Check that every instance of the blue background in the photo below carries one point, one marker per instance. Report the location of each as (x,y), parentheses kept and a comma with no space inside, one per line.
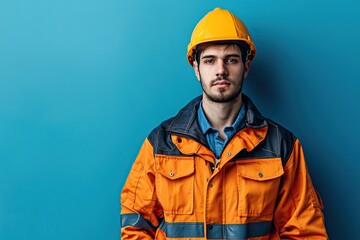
(83,82)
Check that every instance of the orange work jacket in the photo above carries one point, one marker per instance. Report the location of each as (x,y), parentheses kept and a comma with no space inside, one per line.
(259,189)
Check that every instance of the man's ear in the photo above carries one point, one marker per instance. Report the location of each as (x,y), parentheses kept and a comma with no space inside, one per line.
(246,68)
(196,70)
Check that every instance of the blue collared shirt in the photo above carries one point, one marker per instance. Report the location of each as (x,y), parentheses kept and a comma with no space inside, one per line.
(216,144)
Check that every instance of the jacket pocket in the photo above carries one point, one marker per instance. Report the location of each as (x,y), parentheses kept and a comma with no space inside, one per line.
(258,185)
(175,184)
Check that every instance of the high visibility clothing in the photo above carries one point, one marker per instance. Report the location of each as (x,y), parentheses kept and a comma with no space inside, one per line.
(259,189)
(219,25)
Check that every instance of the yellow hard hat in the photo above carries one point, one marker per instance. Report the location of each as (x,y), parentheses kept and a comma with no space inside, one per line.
(219,25)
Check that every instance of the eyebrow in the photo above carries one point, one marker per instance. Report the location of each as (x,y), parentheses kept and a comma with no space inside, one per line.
(226,56)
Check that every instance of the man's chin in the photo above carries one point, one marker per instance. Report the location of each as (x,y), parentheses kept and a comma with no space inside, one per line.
(222,98)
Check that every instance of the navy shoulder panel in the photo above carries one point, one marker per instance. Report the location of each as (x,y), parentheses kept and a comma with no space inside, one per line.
(284,138)
(160,139)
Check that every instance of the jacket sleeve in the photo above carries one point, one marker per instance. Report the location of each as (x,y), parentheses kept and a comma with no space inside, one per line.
(140,212)
(298,214)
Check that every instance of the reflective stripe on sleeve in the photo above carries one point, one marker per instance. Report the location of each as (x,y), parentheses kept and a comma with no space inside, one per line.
(136,220)
(216,231)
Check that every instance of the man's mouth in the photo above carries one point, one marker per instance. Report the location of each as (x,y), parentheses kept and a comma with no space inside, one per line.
(221,83)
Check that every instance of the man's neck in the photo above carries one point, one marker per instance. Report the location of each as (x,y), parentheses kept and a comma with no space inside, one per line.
(221,115)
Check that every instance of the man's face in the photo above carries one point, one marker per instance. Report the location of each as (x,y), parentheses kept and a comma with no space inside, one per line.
(221,72)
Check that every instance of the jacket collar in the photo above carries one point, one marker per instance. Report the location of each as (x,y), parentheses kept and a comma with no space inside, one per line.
(185,122)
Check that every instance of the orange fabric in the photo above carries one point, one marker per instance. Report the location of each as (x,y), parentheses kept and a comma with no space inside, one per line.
(184,189)
(299,211)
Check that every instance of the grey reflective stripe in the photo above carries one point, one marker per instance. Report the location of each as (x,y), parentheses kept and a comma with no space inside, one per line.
(216,231)
(136,220)
(238,231)
(183,230)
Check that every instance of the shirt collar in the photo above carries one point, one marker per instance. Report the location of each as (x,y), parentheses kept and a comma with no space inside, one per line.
(205,126)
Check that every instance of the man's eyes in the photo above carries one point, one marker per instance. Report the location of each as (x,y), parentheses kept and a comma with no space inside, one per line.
(229,60)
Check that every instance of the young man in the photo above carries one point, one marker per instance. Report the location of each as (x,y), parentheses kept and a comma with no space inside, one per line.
(219,169)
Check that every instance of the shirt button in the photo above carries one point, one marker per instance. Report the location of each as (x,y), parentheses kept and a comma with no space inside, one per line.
(229,154)
(210,227)
(172,174)
(211,185)
(261,175)
(179,140)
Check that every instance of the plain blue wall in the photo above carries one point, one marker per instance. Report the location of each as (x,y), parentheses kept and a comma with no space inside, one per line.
(83,82)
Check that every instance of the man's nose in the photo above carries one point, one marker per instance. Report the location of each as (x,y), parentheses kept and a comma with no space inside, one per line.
(221,69)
